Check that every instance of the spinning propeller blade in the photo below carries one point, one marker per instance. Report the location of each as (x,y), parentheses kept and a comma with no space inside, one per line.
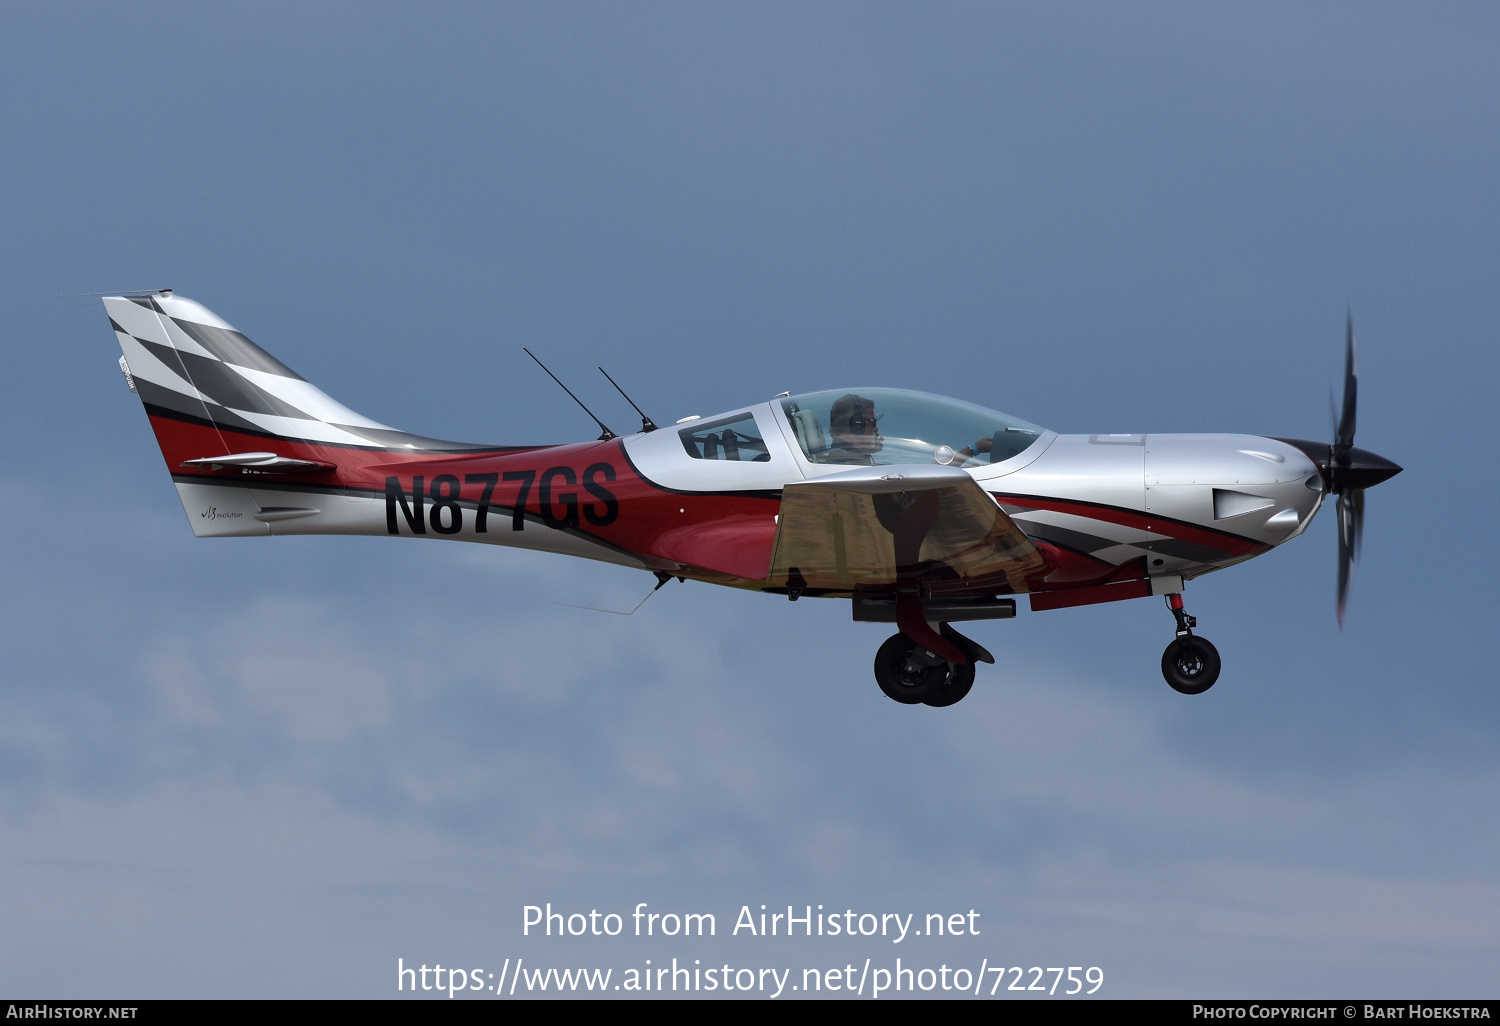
(1348,472)
(1351,513)
(1344,438)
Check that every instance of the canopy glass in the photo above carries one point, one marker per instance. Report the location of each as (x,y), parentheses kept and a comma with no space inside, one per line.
(882,426)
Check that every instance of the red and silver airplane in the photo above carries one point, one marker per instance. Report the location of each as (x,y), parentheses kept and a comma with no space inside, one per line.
(921,510)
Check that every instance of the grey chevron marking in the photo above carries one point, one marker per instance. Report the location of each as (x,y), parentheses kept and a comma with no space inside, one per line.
(169,401)
(232,347)
(1075,540)
(224,385)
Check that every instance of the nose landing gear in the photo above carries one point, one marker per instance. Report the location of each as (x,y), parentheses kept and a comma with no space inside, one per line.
(1190,664)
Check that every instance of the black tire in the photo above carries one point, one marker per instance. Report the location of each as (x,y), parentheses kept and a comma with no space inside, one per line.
(959,683)
(908,684)
(1190,665)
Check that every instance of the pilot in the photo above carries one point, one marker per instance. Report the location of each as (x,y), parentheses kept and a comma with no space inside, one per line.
(854,437)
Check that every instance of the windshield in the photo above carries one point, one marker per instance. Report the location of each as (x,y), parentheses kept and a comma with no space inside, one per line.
(881,426)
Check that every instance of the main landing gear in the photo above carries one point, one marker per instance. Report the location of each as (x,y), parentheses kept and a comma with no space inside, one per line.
(911,675)
(1190,664)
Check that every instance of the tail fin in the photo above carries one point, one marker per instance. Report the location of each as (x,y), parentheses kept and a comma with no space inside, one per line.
(190,366)
(219,402)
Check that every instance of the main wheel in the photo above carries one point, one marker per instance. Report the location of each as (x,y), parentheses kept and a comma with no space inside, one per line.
(1190,665)
(959,683)
(911,675)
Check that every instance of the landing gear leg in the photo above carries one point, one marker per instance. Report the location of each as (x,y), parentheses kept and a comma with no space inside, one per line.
(1190,664)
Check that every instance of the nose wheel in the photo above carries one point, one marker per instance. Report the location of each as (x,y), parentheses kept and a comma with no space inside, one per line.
(1190,664)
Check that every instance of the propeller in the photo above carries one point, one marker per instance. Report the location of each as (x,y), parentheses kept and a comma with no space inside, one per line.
(1347,471)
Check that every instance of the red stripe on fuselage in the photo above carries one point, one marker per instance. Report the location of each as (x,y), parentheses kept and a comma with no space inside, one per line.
(1231,544)
(1063,598)
(724,534)
(592,488)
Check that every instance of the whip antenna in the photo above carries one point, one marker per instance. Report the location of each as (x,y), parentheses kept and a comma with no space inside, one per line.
(646,423)
(608,434)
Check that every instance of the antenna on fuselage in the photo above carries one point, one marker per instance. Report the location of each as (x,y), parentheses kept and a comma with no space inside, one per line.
(646,422)
(608,434)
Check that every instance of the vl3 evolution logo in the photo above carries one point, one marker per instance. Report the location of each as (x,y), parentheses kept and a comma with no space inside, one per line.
(212,513)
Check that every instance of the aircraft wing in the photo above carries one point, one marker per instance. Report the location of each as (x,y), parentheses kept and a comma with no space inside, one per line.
(870,526)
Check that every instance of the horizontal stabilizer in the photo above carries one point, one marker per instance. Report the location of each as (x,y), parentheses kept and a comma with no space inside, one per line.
(258,460)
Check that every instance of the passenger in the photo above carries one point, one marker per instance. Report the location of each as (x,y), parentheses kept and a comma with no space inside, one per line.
(854,437)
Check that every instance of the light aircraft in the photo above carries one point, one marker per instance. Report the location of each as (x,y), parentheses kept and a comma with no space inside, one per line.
(921,511)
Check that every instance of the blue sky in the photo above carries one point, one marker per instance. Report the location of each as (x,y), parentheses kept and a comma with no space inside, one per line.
(271,768)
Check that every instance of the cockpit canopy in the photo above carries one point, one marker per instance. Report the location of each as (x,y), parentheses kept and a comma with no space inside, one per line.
(882,426)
